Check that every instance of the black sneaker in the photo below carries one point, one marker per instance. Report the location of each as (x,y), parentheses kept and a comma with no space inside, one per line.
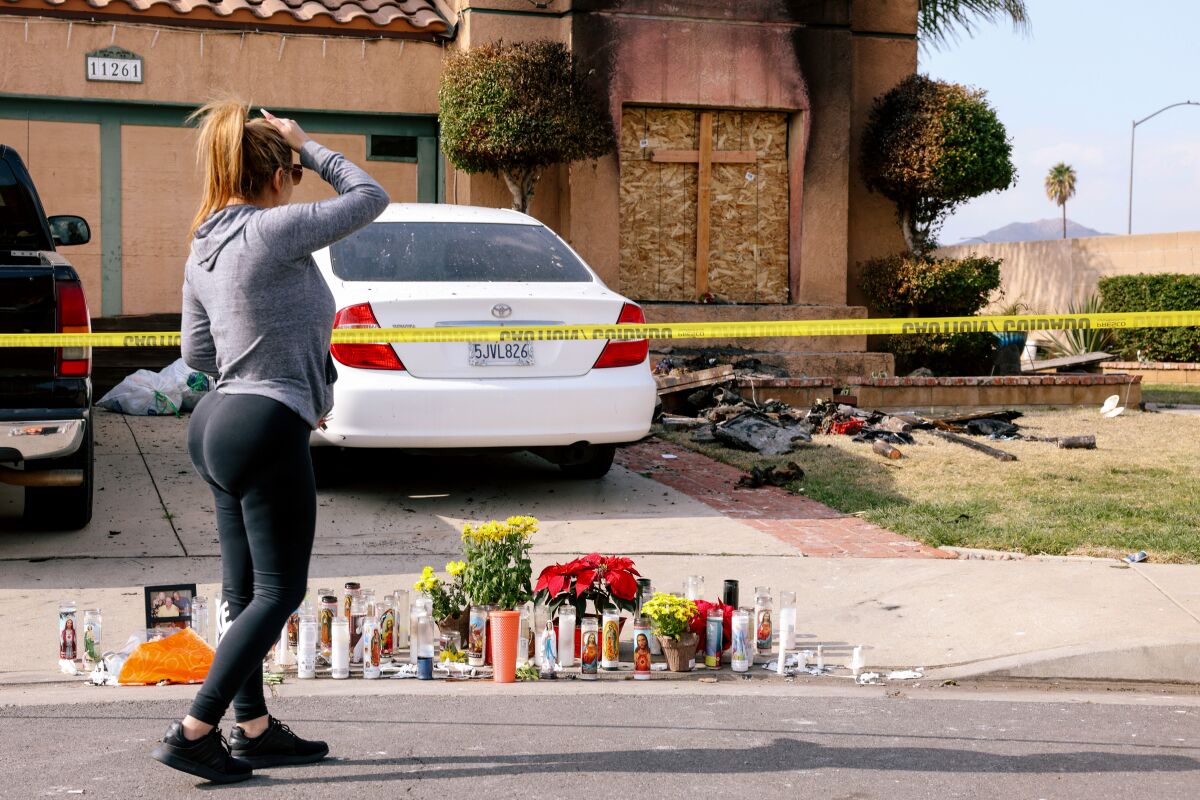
(207,757)
(277,746)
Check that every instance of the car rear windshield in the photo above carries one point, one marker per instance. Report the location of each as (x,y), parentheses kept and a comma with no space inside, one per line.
(455,251)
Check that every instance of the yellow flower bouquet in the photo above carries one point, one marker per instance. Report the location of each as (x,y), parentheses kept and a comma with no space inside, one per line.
(498,569)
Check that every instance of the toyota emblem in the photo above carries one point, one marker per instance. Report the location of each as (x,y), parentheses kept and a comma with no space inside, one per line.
(501,310)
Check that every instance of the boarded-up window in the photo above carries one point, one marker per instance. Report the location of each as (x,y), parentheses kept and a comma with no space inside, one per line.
(665,155)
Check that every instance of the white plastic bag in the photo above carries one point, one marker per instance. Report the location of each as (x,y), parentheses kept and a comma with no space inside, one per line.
(146,393)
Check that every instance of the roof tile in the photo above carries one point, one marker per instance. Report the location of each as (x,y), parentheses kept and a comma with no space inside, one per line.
(417,15)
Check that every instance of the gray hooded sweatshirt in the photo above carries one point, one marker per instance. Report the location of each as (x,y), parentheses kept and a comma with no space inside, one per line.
(256,311)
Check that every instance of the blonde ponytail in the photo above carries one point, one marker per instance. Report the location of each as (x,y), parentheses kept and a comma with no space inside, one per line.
(237,155)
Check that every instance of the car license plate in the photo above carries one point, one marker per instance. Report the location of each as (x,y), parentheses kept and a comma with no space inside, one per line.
(500,354)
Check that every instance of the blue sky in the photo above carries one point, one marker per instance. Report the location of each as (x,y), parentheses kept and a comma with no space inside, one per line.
(1068,91)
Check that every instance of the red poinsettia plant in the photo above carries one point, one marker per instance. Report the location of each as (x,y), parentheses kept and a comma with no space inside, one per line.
(609,582)
(699,624)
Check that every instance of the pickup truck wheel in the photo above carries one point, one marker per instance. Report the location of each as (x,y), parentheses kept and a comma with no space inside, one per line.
(65,508)
(597,464)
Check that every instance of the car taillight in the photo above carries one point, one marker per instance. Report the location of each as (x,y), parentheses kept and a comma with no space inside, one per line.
(625,353)
(362,356)
(73,317)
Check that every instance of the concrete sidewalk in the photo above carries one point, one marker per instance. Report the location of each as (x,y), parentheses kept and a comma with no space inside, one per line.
(1060,618)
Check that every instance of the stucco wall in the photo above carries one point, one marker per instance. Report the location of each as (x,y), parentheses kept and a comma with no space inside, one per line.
(1049,275)
(191,66)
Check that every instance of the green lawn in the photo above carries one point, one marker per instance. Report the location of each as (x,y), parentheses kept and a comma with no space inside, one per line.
(1136,491)
(1171,393)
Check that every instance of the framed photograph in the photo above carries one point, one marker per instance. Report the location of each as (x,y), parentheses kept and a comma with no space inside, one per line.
(169,606)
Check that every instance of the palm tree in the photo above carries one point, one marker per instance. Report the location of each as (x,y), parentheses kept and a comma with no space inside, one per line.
(940,21)
(1060,187)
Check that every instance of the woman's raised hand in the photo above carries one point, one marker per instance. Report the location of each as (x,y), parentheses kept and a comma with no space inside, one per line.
(292,133)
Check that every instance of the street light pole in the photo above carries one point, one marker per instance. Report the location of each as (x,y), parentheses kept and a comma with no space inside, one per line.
(1132,134)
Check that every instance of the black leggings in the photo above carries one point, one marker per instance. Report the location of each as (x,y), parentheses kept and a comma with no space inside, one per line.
(253,452)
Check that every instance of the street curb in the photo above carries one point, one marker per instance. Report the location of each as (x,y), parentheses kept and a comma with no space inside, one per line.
(1153,661)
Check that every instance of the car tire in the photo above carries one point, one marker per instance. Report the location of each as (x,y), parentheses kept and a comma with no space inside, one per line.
(596,465)
(63,508)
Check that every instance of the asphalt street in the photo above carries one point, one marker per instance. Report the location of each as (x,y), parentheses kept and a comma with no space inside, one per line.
(706,741)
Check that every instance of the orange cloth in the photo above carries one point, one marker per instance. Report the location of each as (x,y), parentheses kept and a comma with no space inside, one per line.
(179,658)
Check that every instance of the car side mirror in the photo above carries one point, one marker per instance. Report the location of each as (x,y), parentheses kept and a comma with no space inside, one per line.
(68,229)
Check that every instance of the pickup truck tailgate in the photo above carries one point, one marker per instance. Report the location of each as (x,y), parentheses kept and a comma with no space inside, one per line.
(27,305)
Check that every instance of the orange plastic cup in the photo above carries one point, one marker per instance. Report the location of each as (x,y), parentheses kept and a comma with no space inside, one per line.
(506,627)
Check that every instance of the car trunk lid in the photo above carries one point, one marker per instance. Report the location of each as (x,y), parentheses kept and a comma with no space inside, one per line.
(494,305)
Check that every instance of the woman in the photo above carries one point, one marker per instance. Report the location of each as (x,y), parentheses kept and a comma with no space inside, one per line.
(258,315)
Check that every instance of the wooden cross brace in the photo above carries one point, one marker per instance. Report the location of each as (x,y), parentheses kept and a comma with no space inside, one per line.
(705,157)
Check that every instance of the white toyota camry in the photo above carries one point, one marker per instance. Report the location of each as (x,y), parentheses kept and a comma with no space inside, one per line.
(434,265)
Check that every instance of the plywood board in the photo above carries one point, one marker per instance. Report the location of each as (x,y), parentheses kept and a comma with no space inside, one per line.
(677,252)
(772,232)
(639,236)
(633,131)
(766,134)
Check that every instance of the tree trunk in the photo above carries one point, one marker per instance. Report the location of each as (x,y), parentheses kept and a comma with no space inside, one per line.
(1064,219)
(520,186)
(906,228)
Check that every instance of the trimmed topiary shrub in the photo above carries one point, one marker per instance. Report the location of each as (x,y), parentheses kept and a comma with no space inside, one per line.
(907,285)
(1164,292)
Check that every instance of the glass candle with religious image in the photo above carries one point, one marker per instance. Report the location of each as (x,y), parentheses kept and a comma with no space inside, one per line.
(358,613)
(91,650)
(589,648)
(400,603)
(525,635)
(386,617)
(714,630)
(327,612)
(787,621)
(641,648)
(548,651)
(741,653)
(566,636)
(68,632)
(477,636)
(763,624)
(306,648)
(339,657)
(371,649)
(610,644)
(349,591)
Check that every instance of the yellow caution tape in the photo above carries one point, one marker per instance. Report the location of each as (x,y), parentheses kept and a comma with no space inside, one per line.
(666,330)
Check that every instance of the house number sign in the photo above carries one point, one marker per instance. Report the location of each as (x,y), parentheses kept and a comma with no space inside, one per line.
(114,64)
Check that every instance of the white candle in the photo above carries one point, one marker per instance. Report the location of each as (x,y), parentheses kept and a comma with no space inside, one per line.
(340,657)
(820,658)
(284,657)
(782,661)
(566,636)
(856,661)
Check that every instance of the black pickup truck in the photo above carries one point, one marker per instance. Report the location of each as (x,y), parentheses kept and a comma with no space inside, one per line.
(45,392)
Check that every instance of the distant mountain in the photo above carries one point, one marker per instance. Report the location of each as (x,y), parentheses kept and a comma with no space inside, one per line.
(1035,232)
